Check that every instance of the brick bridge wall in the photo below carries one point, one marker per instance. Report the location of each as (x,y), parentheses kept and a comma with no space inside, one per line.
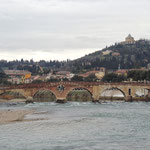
(95,88)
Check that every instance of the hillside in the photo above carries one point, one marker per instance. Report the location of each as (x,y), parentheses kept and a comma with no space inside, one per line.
(120,55)
(125,56)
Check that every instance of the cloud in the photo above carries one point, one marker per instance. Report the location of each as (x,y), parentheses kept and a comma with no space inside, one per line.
(64,28)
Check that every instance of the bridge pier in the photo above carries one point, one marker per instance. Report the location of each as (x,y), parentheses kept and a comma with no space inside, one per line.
(129,98)
(149,94)
(61,101)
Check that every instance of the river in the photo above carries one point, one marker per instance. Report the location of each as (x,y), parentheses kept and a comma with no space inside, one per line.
(79,126)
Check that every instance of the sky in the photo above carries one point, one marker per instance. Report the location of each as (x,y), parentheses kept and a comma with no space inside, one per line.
(68,29)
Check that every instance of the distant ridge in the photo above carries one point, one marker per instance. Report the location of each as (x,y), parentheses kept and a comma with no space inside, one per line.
(120,55)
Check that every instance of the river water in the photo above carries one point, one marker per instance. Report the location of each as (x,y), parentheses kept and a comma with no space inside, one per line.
(79,126)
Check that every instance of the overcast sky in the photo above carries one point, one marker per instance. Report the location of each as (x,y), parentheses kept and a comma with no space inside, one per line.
(61,29)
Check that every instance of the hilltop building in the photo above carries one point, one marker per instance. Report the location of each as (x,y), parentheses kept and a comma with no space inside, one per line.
(129,40)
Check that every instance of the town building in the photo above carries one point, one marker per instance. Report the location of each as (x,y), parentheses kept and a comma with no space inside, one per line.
(107,52)
(115,54)
(18,76)
(41,78)
(64,74)
(99,73)
(122,72)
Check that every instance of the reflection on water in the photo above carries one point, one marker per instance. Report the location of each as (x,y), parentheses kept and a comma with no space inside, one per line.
(80,126)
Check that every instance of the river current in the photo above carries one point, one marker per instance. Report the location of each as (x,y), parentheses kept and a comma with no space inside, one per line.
(79,126)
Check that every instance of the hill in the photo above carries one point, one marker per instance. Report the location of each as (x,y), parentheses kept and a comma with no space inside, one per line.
(120,55)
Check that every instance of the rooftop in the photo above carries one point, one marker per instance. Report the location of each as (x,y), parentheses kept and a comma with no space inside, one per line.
(16,72)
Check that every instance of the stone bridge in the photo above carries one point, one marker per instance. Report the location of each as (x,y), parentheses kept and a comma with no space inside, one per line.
(62,89)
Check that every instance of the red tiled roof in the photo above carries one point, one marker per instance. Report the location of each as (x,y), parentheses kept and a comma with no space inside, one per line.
(121,71)
(88,73)
(16,72)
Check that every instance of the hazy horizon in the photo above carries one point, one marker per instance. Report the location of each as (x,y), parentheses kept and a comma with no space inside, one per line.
(68,29)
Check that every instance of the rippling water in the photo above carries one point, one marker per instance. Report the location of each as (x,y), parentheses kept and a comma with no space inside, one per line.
(80,126)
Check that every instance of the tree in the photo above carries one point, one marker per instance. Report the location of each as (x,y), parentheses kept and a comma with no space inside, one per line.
(77,78)
(91,78)
(138,75)
(37,81)
(65,79)
(3,75)
(112,77)
(53,80)
(3,78)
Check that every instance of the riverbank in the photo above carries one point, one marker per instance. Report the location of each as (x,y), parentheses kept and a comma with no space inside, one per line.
(13,100)
(10,115)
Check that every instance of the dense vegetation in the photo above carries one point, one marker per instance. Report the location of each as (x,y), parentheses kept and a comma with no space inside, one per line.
(112,77)
(129,56)
(139,75)
(34,67)
(134,75)
(3,78)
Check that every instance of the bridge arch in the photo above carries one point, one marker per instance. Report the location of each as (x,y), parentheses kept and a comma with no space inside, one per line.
(12,95)
(44,95)
(113,93)
(79,94)
(141,92)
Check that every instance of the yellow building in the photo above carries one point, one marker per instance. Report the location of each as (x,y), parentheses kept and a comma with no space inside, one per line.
(129,40)
(107,52)
(100,75)
(122,72)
